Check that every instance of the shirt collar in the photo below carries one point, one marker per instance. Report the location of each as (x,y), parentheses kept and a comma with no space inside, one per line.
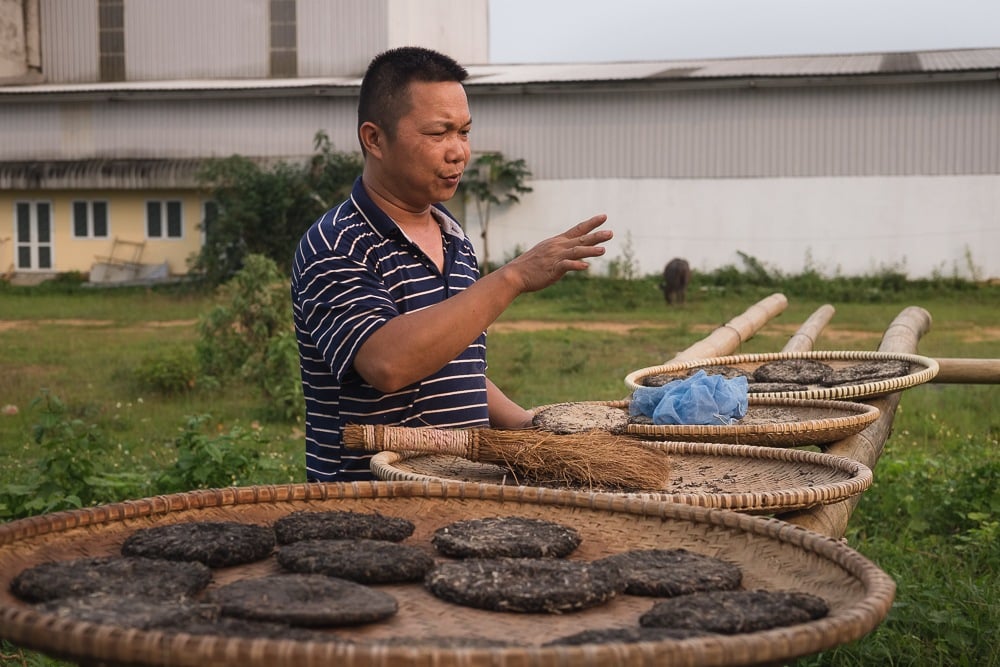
(380,221)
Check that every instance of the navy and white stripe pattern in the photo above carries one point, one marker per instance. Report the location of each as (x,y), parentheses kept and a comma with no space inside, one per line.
(354,270)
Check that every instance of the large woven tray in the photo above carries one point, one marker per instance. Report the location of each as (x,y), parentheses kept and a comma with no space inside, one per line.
(772,554)
(736,477)
(923,369)
(799,422)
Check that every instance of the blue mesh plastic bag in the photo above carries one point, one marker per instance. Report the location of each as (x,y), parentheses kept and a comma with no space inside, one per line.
(700,399)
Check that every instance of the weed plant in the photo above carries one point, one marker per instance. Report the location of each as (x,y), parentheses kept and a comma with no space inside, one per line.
(103,398)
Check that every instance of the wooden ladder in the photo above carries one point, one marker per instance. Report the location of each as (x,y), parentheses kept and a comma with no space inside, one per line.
(125,254)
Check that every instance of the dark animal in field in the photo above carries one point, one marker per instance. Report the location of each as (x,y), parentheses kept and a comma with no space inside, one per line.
(676,277)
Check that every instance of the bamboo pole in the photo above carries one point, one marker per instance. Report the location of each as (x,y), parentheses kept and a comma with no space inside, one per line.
(968,371)
(902,336)
(727,339)
(804,339)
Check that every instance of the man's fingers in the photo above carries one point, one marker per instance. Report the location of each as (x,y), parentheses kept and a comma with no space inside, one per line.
(584,251)
(587,226)
(594,238)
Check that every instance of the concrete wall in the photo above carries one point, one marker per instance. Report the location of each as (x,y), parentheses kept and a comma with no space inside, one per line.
(229,39)
(13,51)
(920,225)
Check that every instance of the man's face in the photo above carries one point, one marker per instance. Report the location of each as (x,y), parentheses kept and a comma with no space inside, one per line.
(423,163)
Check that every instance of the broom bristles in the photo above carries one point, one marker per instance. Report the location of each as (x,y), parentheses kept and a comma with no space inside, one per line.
(594,458)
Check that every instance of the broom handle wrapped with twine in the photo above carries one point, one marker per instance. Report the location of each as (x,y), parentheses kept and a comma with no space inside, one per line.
(376,437)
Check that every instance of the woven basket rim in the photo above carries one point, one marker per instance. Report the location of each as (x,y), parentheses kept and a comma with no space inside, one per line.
(930,368)
(69,638)
(858,476)
(855,418)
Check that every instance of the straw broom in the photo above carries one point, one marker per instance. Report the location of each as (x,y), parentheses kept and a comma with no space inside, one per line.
(593,458)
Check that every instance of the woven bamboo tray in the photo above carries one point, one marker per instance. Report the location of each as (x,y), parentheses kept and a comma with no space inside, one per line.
(925,370)
(799,422)
(772,554)
(736,477)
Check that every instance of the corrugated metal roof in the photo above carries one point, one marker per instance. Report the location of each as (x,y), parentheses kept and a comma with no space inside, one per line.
(846,65)
(187,85)
(111,173)
(70,174)
(968,59)
(857,64)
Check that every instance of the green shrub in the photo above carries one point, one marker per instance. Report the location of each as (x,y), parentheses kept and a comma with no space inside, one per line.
(248,335)
(68,473)
(280,379)
(168,372)
(263,210)
(206,460)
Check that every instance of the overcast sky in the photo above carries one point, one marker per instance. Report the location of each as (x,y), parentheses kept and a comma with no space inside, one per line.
(537,31)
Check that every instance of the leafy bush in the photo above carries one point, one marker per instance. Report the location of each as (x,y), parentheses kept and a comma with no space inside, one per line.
(206,461)
(885,285)
(248,335)
(579,293)
(264,211)
(928,499)
(168,372)
(280,380)
(67,472)
(491,180)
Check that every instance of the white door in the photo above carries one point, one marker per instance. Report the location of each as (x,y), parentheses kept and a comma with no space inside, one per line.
(34,235)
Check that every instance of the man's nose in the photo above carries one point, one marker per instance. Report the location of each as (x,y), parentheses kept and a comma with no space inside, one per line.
(458,150)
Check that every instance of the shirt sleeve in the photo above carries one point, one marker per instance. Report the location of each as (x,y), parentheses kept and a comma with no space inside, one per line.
(342,302)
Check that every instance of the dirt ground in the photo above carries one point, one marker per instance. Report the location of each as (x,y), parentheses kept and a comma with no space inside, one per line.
(830,334)
(21,325)
(625,327)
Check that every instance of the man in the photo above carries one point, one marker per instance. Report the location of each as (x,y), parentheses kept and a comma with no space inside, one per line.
(390,311)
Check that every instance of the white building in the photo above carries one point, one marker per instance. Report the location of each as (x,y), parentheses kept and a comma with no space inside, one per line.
(847,164)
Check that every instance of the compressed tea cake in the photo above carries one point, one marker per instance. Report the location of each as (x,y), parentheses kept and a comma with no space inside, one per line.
(625,635)
(128,611)
(512,536)
(527,585)
(340,525)
(733,612)
(799,371)
(303,600)
(146,577)
(360,560)
(581,417)
(214,543)
(868,371)
(670,572)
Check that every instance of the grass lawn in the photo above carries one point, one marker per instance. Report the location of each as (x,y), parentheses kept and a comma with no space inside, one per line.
(930,520)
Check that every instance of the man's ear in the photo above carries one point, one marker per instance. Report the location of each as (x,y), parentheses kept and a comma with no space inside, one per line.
(371,137)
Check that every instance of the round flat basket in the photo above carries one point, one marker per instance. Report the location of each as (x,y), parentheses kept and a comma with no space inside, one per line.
(736,477)
(771,555)
(774,422)
(921,369)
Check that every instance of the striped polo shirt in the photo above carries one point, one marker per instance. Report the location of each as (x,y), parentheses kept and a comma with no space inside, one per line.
(354,270)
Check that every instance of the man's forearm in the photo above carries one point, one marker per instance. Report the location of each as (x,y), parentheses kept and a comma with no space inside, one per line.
(410,347)
(505,413)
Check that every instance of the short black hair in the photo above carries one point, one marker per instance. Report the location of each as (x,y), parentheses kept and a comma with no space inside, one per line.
(385,88)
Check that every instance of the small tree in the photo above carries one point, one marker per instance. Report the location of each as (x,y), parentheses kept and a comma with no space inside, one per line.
(492,180)
(248,335)
(265,211)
